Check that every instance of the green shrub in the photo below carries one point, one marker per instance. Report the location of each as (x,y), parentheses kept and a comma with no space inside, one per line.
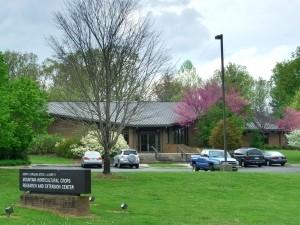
(271,147)
(13,154)
(256,139)
(16,162)
(63,148)
(233,136)
(44,144)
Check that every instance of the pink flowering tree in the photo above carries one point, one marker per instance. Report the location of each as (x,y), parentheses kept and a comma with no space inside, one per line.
(290,120)
(196,102)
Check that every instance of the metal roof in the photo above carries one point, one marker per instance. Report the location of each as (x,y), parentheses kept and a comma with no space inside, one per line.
(150,114)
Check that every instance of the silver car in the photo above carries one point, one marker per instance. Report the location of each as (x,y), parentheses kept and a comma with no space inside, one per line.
(127,157)
(91,158)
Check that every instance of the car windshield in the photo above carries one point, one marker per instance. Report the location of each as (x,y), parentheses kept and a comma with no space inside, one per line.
(93,154)
(218,154)
(255,152)
(274,154)
(128,152)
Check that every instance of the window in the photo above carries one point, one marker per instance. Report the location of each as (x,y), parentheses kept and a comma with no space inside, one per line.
(266,139)
(180,136)
(126,135)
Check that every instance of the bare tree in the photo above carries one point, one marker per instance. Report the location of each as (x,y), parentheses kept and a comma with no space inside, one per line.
(110,56)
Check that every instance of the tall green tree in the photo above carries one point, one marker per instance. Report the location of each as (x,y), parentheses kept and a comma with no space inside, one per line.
(206,124)
(285,82)
(295,104)
(22,64)
(172,85)
(168,89)
(23,113)
(237,76)
(188,76)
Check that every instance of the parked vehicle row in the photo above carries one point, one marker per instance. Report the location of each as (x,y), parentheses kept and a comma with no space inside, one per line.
(254,156)
(211,159)
(125,157)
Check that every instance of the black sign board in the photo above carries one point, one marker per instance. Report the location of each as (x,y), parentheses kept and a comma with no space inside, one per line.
(60,181)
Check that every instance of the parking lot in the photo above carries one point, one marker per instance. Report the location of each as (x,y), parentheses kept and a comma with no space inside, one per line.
(187,168)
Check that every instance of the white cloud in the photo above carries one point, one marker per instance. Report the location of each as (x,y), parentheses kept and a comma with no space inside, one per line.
(257,34)
(258,64)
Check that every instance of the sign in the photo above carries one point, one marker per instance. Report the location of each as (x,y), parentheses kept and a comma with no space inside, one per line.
(60,181)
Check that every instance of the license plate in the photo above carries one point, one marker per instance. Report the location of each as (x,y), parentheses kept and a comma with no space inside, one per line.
(256,157)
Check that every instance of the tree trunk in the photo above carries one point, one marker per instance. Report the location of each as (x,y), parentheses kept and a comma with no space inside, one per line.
(106,166)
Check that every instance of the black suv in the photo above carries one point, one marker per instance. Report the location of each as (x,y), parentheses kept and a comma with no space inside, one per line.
(249,156)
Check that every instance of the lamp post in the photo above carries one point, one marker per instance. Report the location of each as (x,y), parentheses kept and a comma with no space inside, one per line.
(220,37)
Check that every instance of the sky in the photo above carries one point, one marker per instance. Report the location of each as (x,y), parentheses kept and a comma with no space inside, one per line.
(256,33)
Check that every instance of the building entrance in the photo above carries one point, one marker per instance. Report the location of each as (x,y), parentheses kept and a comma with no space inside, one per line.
(146,140)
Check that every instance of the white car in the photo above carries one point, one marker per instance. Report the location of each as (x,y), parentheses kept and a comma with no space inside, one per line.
(91,158)
(127,157)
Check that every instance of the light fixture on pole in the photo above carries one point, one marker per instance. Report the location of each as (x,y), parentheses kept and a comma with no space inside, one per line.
(220,37)
(91,198)
(124,206)
(9,210)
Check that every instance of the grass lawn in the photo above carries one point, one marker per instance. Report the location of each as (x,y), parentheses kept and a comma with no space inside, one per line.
(293,156)
(166,165)
(169,198)
(46,159)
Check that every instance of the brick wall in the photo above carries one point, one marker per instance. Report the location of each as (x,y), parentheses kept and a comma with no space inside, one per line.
(62,204)
(66,128)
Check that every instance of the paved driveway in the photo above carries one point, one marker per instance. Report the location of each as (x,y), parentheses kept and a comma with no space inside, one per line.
(187,168)
(272,169)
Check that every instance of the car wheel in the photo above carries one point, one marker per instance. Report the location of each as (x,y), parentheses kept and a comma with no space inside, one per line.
(137,166)
(119,164)
(131,166)
(193,167)
(196,168)
(100,166)
(282,164)
(268,163)
(259,165)
(211,167)
(243,163)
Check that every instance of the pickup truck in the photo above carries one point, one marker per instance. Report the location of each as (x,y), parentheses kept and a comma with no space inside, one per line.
(211,159)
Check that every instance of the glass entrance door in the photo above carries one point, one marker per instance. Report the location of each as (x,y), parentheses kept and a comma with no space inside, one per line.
(146,141)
